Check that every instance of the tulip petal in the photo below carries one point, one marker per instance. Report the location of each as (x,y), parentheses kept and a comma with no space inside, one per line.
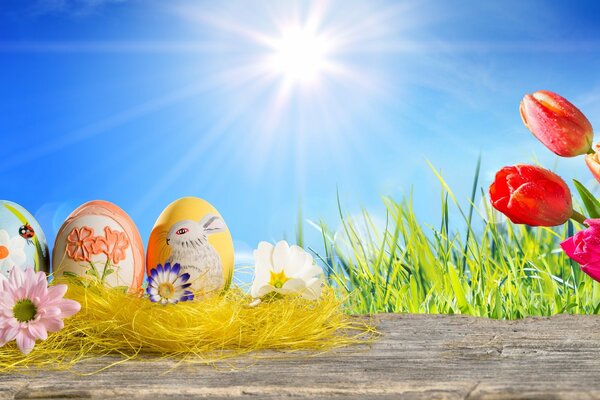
(541,203)
(593,163)
(593,270)
(569,247)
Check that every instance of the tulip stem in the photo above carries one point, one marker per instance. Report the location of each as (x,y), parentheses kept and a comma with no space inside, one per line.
(578,217)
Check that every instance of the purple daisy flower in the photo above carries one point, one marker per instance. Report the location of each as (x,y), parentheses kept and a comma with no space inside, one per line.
(167,286)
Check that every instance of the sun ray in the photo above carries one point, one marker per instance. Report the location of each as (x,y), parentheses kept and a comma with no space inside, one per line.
(98,127)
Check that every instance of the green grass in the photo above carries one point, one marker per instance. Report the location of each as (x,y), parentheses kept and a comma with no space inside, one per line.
(488,269)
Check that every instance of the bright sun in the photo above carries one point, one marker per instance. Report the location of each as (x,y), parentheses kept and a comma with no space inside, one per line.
(300,55)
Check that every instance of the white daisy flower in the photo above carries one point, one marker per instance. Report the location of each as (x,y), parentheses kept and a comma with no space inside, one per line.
(12,252)
(166,285)
(285,270)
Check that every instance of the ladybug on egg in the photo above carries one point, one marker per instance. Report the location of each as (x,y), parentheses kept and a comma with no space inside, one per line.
(27,233)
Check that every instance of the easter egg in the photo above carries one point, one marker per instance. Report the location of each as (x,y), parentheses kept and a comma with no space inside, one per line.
(22,241)
(100,242)
(190,232)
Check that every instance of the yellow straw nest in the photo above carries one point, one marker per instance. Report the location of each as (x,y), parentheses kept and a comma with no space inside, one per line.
(113,323)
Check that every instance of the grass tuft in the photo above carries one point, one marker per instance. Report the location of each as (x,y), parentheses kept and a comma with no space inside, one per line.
(491,268)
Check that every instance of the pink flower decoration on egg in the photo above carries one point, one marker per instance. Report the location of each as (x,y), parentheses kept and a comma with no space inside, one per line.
(80,243)
(114,245)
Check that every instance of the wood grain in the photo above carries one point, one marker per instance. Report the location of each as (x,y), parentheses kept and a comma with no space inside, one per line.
(418,356)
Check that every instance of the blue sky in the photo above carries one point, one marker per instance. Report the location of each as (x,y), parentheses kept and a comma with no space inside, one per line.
(143,102)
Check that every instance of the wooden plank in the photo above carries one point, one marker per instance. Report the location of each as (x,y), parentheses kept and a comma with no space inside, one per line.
(418,356)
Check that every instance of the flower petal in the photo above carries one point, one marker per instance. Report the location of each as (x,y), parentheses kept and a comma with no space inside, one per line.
(4,237)
(294,285)
(17,242)
(57,291)
(297,259)
(10,333)
(18,257)
(69,307)
(38,331)
(155,298)
(263,261)
(260,291)
(183,278)
(310,272)
(53,324)
(281,255)
(313,290)
(25,341)
(16,278)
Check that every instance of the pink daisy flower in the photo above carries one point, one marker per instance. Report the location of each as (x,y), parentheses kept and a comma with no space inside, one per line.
(29,309)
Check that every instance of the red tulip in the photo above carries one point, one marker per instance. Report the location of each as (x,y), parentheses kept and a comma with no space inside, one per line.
(557,123)
(531,195)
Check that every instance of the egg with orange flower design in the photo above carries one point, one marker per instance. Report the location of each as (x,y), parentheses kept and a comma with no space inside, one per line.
(100,242)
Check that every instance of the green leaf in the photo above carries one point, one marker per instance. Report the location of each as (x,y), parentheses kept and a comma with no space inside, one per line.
(123,289)
(92,273)
(592,205)
(461,298)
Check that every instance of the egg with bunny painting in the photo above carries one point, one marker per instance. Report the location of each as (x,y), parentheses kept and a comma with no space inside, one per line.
(22,241)
(100,242)
(191,234)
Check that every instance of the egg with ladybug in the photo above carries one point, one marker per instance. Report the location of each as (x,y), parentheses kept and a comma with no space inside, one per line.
(22,241)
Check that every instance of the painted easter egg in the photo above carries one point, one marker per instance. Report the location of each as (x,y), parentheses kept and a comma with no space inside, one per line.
(191,233)
(22,241)
(99,241)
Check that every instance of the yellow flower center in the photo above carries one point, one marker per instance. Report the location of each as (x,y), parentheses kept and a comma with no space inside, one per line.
(4,252)
(166,290)
(278,279)
(24,310)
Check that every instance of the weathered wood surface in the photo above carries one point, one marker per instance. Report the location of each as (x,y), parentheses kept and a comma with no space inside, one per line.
(443,357)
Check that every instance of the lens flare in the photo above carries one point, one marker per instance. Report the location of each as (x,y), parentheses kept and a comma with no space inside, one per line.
(300,55)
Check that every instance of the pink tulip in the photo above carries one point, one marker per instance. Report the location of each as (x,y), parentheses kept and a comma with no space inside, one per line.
(557,123)
(584,248)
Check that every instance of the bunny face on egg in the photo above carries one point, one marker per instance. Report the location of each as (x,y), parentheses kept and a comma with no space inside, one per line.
(191,233)
(190,249)
(186,233)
